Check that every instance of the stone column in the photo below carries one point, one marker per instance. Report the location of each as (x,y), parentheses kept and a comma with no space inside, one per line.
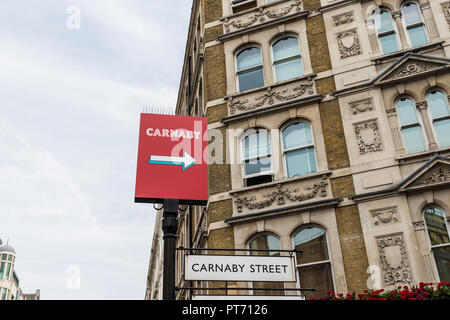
(422,107)
(397,15)
(430,24)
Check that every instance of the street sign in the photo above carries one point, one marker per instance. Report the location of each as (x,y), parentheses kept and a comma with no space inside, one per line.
(239,268)
(171,162)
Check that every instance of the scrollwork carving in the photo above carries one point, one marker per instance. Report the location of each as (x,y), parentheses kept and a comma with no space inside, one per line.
(280,195)
(348,43)
(372,143)
(385,215)
(262,14)
(343,18)
(270,96)
(438,174)
(361,105)
(394,274)
(446,10)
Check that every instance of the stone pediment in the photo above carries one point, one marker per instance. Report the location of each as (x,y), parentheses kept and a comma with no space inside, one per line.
(433,174)
(411,65)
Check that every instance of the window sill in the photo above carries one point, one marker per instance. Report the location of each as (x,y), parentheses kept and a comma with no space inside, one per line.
(392,56)
(421,156)
(283,181)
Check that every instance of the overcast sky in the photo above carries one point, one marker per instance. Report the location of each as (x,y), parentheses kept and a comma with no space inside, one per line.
(70,102)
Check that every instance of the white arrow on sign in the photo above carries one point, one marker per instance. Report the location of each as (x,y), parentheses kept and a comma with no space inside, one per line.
(186,160)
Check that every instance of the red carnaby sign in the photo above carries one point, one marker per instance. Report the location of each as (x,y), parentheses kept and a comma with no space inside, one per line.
(171,162)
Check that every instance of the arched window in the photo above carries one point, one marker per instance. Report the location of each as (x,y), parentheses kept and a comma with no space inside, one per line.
(413,21)
(439,239)
(287,60)
(298,149)
(256,157)
(313,263)
(410,126)
(386,32)
(440,114)
(249,67)
(266,242)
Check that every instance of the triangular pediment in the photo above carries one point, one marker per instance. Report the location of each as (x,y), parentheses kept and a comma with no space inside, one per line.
(412,65)
(434,173)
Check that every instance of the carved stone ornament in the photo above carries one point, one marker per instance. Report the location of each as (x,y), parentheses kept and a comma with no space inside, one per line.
(391,112)
(446,9)
(368,136)
(261,15)
(423,105)
(394,259)
(348,43)
(413,68)
(361,105)
(343,18)
(438,174)
(385,215)
(270,96)
(280,195)
(418,225)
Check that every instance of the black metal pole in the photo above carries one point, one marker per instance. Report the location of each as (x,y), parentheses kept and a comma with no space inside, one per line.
(169,227)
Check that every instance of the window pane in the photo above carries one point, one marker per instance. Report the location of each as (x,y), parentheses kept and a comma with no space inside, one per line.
(383,22)
(288,69)
(443,131)
(442,258)
(438,104)
(411,14)
(249,58)
(435,220)
(413,140)
(313,243)
(2,270)
(417,36)
(4,294)
(406,111)
(286,47)
(263,243)
(8,271)
(257,144)
(300,162)
(255,166)
(389,43)
(251,79)
(4,255)
(317,277)
(297,135)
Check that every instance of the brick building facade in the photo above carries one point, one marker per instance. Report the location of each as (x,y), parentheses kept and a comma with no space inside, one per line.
(329,125)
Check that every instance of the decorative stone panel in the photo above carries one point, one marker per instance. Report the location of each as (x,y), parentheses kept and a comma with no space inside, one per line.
(361,106)
(261,15)
(446,9)
(281,194)
(343,18)
(438,174)
(394,259)
(348,43)
(368,136)
(270,95)
(384,215)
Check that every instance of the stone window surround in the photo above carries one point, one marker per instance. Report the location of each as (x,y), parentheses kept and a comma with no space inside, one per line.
(263,52)
(400,27)
(424,230)
(424,119)
(277,154)
(295,28)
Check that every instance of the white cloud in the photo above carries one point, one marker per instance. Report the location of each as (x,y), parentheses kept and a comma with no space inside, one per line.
(70,115)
